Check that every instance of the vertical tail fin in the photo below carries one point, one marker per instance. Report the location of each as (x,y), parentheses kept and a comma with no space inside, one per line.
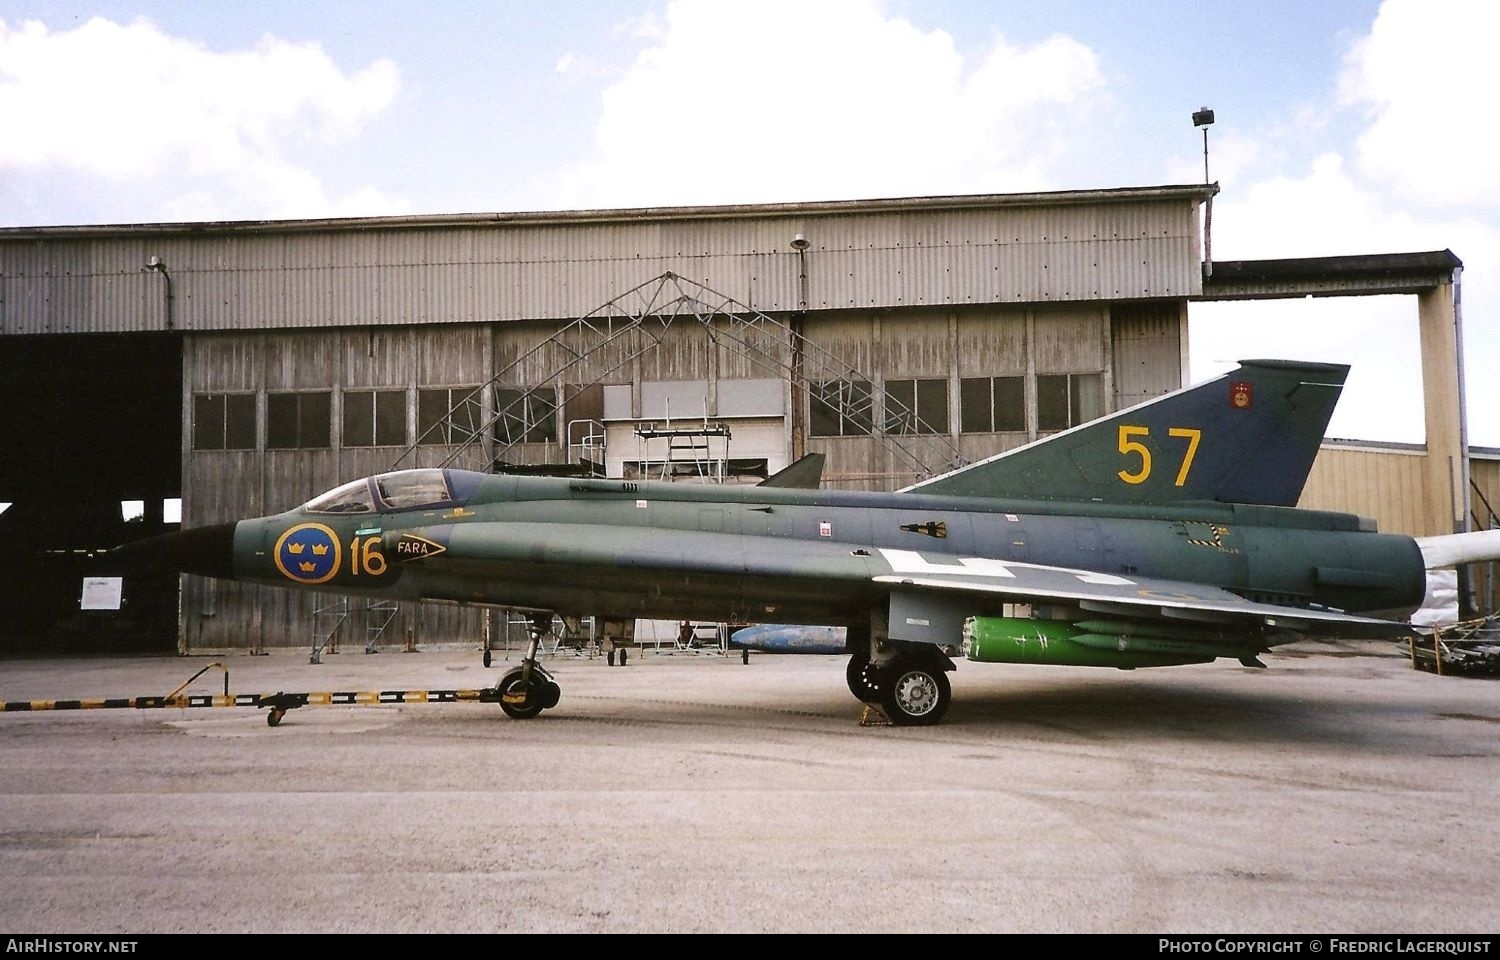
(804,474)
(1249,436)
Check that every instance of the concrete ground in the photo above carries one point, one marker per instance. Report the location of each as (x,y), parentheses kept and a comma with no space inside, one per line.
(1338,792)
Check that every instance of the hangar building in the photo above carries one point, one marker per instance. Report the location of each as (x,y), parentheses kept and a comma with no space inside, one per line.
(241,368)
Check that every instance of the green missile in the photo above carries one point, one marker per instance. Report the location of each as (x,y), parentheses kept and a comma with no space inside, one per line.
(1017,640)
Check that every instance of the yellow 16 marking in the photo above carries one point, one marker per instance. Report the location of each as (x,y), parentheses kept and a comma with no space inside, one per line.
(1130,445)
(366,553)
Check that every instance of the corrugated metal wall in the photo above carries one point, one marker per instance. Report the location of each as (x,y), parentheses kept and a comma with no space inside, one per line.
(465,273)
(1383,484)
(1147,339)
(1484,473)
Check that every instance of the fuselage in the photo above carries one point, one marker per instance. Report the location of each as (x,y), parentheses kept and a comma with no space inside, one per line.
(753,554)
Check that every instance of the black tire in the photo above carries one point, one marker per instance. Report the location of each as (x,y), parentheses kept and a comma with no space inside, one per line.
(611,657)
(915,695)
(864,680)
(535,696)
(622,657)
(487,658)
(273,717)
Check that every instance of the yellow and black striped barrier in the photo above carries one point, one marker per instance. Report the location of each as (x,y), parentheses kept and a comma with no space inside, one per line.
(277,703)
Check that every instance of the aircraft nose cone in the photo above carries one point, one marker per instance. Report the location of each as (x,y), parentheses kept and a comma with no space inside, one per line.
(205,551)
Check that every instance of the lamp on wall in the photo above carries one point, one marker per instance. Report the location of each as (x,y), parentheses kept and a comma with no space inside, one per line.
(154,263)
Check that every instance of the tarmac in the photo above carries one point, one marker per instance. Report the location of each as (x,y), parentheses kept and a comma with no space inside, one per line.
(1338,792)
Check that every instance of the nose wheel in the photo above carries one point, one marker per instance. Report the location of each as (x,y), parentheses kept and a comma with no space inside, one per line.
(523,697)
(528,689)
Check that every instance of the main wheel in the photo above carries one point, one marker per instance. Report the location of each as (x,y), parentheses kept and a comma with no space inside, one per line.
(916,696)
(520,701)
(864,679)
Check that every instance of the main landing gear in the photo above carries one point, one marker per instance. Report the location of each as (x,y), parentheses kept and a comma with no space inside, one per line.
(529,689)
(911,687)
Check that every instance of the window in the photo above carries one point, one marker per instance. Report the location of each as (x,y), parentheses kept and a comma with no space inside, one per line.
(1065,400)
(374,418)
(298,420)
(352,497)
(413,488)
(916,406)
(841,408)
(992,405)
(525,416)
(224,421)
(448,414)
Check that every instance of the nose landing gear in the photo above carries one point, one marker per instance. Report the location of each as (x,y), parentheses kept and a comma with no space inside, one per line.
(529,689)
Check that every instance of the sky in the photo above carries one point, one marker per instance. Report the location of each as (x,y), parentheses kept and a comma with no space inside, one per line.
(1341,127)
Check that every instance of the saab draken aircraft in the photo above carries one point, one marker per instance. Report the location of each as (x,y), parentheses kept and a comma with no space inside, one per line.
(1162,534)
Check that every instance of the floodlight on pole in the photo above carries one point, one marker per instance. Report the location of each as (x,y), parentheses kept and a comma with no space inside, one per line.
(1204,117)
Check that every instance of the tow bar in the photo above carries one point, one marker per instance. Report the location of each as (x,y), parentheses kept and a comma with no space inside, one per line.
(277,704)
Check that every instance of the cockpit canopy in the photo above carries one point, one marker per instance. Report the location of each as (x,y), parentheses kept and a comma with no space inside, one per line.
(401,490)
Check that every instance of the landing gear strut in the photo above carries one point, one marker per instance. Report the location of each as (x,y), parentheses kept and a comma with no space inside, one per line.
(529,689)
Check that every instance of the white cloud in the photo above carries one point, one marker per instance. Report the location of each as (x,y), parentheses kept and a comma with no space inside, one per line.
(1426,73)
(783,100)
(1410,186)
(186,127)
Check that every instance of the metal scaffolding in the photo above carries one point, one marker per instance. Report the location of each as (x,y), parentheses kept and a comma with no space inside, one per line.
(481,427)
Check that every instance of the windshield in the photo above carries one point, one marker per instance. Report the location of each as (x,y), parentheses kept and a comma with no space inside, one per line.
(352,497)
(413,488)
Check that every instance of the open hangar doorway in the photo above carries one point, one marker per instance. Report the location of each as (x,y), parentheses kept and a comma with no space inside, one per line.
(90,457)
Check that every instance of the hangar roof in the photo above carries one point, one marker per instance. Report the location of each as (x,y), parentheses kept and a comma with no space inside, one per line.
(1132,243)
(1192,192)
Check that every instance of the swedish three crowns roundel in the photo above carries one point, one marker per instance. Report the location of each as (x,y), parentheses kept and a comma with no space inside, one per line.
(308,553)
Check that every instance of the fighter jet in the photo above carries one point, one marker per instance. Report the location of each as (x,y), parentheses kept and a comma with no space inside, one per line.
(1162,534)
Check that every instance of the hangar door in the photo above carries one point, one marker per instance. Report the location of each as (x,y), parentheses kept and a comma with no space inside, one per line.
(90,457)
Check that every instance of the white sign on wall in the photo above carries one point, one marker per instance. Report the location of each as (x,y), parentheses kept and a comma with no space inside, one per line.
(101,593)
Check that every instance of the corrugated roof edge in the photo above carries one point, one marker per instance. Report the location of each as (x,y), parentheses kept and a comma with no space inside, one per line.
(1351,266)
(1194,192)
